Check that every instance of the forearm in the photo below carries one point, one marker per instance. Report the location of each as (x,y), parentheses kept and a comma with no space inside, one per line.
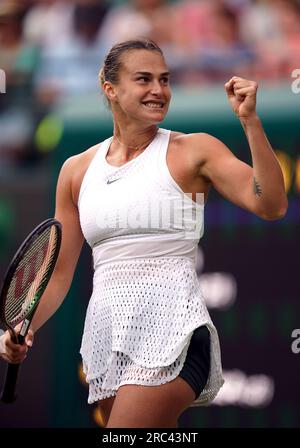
(268,182)
(51,300)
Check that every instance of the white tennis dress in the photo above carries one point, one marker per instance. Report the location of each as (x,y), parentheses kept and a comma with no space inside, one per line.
(146,301)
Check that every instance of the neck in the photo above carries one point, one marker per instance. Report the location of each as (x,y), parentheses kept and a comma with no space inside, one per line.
(135,140)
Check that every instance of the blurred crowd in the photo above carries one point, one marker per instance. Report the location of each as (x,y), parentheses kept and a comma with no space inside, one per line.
(51,48)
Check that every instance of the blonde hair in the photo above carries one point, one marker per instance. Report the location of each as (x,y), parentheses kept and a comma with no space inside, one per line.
(101,77)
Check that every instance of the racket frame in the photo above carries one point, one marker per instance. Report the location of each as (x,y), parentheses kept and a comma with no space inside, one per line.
(12,369)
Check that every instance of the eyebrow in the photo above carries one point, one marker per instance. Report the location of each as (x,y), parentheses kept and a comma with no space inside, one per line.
(150,74)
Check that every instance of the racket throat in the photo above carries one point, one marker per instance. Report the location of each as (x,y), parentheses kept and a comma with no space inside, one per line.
(23,331)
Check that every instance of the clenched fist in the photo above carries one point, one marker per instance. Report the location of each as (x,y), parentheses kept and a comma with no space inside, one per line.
(241,94)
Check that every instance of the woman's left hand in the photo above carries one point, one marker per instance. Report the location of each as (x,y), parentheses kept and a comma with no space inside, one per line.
(241,94)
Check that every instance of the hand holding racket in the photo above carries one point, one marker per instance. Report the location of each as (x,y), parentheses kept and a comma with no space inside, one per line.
(11,351)
(24,284)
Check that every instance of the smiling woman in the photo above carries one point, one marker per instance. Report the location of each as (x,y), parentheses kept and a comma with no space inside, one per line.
(139,65)
(149,348)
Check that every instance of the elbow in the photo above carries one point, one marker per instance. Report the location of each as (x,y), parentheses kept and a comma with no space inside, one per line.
(275,215)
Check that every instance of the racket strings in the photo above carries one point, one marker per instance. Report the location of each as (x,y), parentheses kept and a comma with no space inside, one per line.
(30,277)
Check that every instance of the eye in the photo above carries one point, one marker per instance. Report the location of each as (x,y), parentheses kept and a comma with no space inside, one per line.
(143,78)
(165,80)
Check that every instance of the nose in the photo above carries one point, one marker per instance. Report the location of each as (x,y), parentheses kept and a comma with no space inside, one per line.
(156,88)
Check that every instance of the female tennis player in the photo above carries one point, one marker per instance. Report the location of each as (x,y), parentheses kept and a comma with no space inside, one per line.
(149,348)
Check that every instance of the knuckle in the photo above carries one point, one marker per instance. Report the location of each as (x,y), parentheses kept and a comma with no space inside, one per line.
(23,351)
(17,358)
(15,361)
(12,357)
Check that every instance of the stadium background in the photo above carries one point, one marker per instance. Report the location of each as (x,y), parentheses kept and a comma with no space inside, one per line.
(52,109)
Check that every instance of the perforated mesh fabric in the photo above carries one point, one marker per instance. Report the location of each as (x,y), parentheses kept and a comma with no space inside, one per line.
(139,324)
(128,372)
(146,298)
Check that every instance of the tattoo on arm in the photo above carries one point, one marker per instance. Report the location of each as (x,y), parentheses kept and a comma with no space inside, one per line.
(256,188)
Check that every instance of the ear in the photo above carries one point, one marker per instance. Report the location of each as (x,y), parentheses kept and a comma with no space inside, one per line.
(110,91)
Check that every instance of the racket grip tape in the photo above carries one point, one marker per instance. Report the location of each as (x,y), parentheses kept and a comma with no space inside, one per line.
(8,394)
(9,390)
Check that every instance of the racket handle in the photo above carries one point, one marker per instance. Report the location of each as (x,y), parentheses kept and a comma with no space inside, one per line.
(9,391)
(8,394)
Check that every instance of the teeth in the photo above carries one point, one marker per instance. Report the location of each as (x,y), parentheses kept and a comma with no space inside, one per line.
(154,105)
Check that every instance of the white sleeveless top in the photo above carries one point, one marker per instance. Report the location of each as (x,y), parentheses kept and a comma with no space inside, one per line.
(146,301)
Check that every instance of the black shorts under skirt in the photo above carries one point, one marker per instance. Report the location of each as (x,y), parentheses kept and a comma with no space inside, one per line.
(197,364)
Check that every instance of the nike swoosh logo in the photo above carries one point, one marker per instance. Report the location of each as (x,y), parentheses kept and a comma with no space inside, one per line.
(111,181)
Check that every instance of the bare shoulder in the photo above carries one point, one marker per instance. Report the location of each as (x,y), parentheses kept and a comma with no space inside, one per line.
(197,146)
(196,139)
(74,162)
(74,169)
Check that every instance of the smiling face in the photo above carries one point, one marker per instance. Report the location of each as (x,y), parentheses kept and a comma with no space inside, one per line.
(143,91)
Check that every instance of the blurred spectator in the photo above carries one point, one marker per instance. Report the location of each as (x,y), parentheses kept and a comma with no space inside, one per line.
(51,48)
(211,41)
(288,16)
(88,18)
(272,27)
(203,41)
(259,23)
(138,18)
(224,53)
(49,22)
(260,28)
(19,60)
(72,66)
(193,23)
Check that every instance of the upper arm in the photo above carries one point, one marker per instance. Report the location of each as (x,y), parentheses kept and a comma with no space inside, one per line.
(67,213)
(231,177)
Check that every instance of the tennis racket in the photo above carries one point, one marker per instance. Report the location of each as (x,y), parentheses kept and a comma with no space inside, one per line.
(24,284)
